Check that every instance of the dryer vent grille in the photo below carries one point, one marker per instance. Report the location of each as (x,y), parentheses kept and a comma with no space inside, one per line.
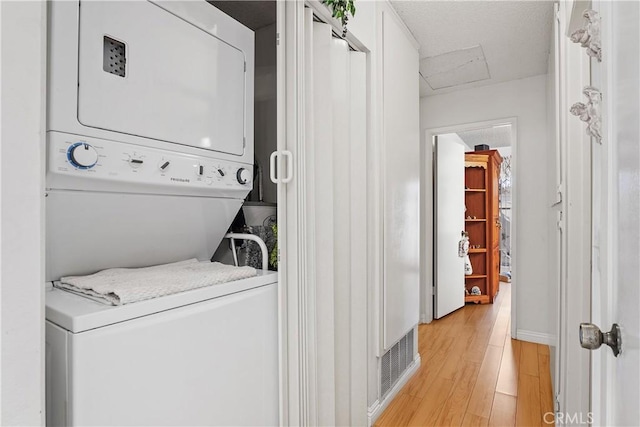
(113,57)
(395,361)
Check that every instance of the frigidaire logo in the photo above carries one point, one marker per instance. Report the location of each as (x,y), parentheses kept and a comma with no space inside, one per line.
(181,179)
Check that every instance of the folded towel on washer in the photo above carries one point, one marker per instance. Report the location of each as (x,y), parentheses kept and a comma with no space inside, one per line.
(119,286)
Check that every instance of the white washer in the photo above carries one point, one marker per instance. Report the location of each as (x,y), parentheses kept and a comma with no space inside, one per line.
(149,158)
(203,357)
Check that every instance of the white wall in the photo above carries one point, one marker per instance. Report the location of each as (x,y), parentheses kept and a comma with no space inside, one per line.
(505,151)
(526,100)
(385,194)
(21,211)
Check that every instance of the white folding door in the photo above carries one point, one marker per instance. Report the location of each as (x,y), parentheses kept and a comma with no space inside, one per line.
(335,139)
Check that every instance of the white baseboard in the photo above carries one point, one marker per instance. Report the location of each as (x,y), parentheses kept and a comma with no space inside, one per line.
(536,337)
(424,318)
(378,407)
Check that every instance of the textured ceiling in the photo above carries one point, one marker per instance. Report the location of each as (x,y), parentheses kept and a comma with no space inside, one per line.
(514,35)
(494,137)
(454,68)
(251,13)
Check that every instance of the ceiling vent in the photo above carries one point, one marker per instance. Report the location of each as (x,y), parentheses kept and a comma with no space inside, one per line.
(455,68)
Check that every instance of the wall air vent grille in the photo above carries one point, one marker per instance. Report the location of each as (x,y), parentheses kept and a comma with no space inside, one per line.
(385,374)
(113,57)
(402,358)
(409,347)
(394,362)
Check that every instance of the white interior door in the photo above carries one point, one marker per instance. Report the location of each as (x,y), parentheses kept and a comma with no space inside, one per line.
(615,385)
(449,223)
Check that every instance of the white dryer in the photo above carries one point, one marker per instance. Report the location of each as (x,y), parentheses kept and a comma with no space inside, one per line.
(149,158)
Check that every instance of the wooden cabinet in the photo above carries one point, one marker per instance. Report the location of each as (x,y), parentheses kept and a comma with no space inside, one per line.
(482,222)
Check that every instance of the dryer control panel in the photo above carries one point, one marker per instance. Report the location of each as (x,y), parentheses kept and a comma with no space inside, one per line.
(72,156)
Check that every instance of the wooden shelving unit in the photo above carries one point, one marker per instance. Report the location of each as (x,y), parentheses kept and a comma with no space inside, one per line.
(477,250)
(478,299)
(482,172)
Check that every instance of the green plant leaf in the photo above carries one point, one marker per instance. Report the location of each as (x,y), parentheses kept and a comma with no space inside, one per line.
(341,9)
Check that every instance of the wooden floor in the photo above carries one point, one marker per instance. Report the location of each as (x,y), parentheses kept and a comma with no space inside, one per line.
(473,374)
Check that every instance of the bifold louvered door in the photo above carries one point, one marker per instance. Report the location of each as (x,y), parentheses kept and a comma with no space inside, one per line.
(335,183)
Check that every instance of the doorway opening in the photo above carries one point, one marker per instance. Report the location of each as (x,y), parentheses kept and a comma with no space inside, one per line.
(498,137)
(456,212)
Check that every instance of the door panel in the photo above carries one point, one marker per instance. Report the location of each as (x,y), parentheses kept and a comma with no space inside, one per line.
(449,222)
(616,207)
(626,286)
(320,123)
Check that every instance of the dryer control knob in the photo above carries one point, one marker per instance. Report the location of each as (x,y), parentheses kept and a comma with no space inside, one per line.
(243,176)
(82,155)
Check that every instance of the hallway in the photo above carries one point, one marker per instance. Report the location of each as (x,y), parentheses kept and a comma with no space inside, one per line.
(473,374)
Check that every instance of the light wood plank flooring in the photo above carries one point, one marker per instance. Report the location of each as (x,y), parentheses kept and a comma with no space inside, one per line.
(473,374)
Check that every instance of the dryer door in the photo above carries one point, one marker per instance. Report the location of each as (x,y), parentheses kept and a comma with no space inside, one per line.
(145,72)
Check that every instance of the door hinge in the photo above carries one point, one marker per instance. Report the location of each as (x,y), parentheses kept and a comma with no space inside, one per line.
(559,195)
(559,222)
(277,39)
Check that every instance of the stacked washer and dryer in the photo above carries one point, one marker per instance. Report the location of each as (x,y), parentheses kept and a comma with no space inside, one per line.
(149,158)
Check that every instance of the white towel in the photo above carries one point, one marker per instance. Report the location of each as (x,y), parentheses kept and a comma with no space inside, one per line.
(119,286)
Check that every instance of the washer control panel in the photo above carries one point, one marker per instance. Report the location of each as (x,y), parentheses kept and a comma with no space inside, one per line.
(72,155)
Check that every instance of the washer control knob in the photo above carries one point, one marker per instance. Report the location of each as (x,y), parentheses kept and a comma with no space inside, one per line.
(82,155)
(243,176)
(164,164)
(135,162)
